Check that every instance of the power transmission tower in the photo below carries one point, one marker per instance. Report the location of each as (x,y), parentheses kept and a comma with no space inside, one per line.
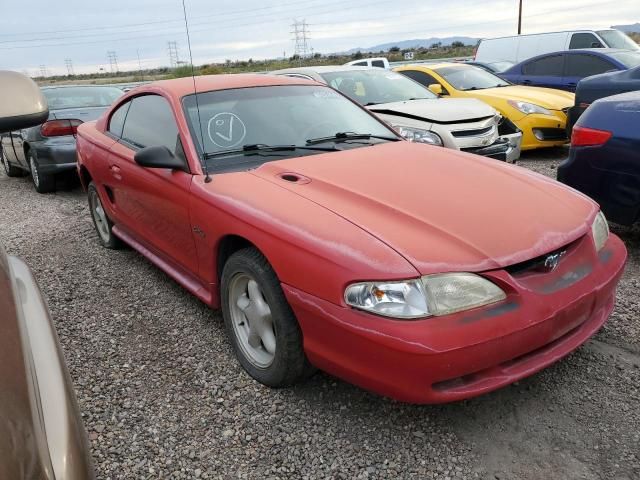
(301,39)
(43,70)
(69,64)
(113,61)
(173,54)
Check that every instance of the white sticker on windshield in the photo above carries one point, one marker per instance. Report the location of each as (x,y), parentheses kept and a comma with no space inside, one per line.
(325,93)
(226,130)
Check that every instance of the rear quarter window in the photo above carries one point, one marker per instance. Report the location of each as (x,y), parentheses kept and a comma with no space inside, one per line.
(587,65)
(116,122)
(421,77)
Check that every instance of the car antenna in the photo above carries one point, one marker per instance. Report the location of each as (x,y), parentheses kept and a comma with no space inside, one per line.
(203,161)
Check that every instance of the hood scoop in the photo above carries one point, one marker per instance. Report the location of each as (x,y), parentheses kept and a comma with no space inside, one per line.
(291,177)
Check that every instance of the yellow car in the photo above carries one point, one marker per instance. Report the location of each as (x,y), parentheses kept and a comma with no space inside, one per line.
(539,112)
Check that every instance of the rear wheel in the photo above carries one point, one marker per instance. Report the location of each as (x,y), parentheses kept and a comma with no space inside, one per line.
(42,182)
(263,330)
(104,226)
(9,169)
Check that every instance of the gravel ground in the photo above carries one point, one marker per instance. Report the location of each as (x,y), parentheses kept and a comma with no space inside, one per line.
(163,397)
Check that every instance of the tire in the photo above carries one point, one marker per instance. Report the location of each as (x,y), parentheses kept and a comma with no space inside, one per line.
(43,183)
(9,169)
(275,359)
(101,222)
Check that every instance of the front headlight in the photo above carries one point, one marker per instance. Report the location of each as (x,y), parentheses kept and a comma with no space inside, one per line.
(528,108)
(600,230)
(431,295)
(419,135)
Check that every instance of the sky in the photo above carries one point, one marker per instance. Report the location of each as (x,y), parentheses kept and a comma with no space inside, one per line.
(38,34)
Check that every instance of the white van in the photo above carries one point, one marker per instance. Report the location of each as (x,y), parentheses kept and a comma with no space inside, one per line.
(521,47)
(379,62)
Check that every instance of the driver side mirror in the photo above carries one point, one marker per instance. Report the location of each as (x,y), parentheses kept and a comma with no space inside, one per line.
(436,88)
(22,103)
(158,157)
(596,45)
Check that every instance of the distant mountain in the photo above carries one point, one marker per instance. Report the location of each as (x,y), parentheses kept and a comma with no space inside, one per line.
(417,43)
(634,28)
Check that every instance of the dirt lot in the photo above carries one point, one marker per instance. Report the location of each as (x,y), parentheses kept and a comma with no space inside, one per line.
(163,397)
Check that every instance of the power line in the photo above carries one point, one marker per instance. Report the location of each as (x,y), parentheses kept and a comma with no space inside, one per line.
(216,18)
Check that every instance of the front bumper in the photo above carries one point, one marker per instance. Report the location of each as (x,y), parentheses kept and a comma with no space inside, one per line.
(55,155)
(459,356)
(540,131)
(506,148)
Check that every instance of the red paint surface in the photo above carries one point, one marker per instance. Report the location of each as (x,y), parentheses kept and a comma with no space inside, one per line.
(391,211)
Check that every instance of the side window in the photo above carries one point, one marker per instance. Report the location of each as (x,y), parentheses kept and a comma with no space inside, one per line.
(548,66)
(150,122)
(377,63)
(584,40)
(116,122)
(587,65)
(420,77)
(360,64)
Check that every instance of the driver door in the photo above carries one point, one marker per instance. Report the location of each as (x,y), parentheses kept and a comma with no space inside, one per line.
(153,203)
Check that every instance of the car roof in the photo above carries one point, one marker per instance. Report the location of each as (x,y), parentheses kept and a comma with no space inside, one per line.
(51,87)
(327,69)
(583,30)
(180,87)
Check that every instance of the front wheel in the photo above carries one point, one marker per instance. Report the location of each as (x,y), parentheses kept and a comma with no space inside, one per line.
(101,222)
(263,330)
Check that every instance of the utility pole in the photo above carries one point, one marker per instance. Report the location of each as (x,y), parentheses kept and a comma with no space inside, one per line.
(520,18)
(301,39)
(113,61)
(69,64)
(139,65)
(173,54)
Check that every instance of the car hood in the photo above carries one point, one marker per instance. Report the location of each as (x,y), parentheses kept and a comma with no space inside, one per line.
(437,110)
(545,97)
(441,210)
(86,114)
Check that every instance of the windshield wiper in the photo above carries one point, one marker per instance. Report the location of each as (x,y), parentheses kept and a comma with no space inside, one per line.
(261,147)
(344,136)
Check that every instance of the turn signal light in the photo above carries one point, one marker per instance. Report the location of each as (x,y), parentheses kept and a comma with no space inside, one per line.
(588,137)
(59,128)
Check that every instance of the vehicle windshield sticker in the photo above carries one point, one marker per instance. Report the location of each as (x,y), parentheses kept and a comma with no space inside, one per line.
(325,93)
(226,130)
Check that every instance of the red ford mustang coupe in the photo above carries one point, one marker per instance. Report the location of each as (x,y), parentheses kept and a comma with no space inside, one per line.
(417,272)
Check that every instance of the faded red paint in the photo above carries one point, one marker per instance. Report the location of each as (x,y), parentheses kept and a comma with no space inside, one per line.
(390,211)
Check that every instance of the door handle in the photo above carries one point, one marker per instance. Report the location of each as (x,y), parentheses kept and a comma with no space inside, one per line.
(115,171)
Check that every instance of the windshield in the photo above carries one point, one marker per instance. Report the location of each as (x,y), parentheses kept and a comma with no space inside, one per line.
(628,59)
(500,66)
(81,97)
(370,87)
(277,116)
(617,39)
(465,77)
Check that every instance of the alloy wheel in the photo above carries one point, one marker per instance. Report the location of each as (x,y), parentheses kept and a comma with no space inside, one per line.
(34,171)
(99,216)
(251,319)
